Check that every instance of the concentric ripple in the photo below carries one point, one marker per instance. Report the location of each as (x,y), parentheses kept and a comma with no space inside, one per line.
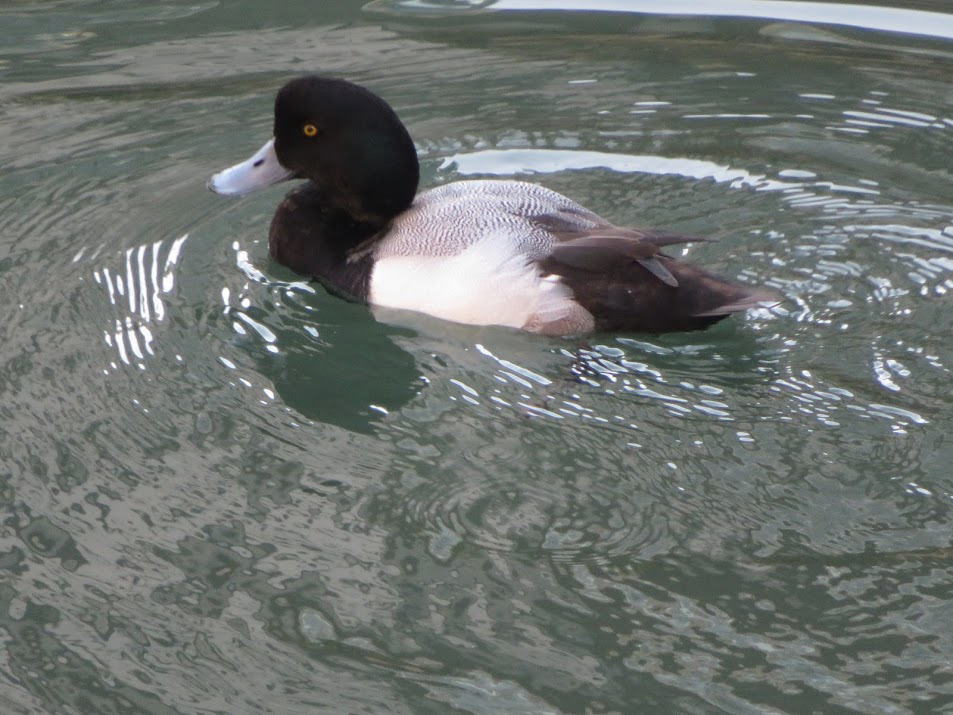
(224,489)
(551,520)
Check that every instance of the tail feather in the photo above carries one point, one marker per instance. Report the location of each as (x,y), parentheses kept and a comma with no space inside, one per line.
(629,297)
(755,299)
(622,278)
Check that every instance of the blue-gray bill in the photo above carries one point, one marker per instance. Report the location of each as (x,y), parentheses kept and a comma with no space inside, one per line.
(258,171)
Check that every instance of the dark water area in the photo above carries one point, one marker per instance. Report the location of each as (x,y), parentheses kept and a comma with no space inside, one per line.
(224,490)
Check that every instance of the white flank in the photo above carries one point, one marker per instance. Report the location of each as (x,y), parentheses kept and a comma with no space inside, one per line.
(489,283)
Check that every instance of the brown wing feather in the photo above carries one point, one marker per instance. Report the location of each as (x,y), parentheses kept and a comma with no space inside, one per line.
(605,247)
(661,295)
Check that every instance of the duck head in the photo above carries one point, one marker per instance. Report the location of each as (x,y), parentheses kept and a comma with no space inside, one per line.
(344,139)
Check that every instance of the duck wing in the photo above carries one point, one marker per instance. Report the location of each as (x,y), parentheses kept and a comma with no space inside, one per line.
(604,247)
(622,277)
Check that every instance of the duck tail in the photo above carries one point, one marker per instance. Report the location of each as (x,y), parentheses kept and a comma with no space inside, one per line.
(756,298)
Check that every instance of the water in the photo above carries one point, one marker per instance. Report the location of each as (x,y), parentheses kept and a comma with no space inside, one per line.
(224,490)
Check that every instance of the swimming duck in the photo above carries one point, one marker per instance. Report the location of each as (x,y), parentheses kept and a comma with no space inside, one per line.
(483,252)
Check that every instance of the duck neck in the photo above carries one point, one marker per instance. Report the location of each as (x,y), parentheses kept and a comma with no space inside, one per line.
(317,239)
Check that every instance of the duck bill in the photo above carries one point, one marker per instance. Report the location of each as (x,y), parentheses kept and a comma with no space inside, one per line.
(258,171)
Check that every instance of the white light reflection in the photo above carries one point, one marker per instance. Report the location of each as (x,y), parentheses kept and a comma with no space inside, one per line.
(138,288)
(242,301)
(509,162)
(867,17)
(547,161)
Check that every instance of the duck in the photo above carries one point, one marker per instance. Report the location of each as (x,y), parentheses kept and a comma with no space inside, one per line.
(480,252)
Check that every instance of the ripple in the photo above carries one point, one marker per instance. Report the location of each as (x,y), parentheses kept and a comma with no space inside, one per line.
(136,293)
(464,497)
(508,162)
(543,519)
(272,500)
(867,17)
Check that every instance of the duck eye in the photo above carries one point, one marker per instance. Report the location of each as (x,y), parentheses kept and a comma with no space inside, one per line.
(310,130)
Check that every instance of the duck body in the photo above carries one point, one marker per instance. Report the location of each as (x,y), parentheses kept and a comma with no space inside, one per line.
(483,252)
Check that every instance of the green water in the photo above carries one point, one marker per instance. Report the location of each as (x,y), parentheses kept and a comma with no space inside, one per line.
(224,490)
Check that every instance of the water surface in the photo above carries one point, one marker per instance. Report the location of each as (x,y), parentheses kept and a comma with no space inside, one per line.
(224,490)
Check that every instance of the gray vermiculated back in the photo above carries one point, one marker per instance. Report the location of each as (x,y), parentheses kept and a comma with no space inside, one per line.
(446,220)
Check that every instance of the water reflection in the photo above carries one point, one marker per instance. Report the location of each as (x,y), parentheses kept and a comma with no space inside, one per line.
(867,17)
(639,406)
(135,292)
(290,340)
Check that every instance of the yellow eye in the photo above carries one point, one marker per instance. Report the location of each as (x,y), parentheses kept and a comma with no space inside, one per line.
(310,130)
